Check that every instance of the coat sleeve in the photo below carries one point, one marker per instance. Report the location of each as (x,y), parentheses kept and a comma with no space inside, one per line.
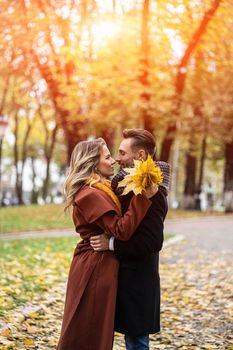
(97,208)
(123,227)
(149,235)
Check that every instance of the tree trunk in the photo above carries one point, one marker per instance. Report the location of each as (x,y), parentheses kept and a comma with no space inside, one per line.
(46,180)
(108,136)
(18,182)
(168,142)
(228,178)
(146,115)
(19,172)
(201,172)
(173,201)
(74,130)
(48,155)
(180,79)
(189,199)
(1,189)
(4,94)
(34,194)
(49,144)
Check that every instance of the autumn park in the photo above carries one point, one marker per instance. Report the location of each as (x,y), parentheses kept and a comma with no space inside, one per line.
(75,70)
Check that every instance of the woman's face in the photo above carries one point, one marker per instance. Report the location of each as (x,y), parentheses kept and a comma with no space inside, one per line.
(106,162)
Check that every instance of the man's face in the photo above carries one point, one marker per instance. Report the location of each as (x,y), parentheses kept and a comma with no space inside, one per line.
(126,154)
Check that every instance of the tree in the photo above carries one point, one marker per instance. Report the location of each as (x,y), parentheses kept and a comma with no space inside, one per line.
(144,79)
(181,76)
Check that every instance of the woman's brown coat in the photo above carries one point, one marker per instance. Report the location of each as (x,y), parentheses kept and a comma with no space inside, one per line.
(88,321)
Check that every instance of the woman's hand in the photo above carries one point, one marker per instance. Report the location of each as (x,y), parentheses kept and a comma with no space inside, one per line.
(150,191)
(100,242)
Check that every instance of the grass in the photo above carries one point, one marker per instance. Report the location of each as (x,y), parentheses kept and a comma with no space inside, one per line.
(28,250)
(52,216)
(29,267)
(33,217)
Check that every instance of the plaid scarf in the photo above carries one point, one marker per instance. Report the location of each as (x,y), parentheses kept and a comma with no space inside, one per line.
(164,186)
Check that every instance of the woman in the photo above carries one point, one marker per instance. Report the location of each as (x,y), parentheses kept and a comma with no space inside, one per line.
(88,320)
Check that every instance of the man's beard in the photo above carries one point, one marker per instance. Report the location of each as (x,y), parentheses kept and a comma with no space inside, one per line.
(129,164)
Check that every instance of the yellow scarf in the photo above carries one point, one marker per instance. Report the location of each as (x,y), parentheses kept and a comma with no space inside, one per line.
(106,187)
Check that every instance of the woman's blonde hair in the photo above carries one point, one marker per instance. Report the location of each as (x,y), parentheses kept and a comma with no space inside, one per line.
(84,159)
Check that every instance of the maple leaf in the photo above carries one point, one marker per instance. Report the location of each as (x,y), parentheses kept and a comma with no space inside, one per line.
(144,174)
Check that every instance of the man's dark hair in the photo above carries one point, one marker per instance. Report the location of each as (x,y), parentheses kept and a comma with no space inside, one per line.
(141,139)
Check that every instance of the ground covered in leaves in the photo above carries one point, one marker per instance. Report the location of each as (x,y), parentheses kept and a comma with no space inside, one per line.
(196,296)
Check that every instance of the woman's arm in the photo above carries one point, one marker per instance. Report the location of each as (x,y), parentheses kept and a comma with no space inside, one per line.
(123,227)
(97,207)
(148,237)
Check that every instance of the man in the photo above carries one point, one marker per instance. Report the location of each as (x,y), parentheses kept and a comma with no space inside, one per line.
(138,295)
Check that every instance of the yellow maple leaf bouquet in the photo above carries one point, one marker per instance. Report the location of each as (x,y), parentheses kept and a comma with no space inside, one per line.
(145,173)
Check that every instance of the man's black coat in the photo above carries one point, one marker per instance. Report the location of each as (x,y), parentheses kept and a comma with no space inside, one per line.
(138,298)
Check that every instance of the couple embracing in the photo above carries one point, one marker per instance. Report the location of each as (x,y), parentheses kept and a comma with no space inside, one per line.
(113,281)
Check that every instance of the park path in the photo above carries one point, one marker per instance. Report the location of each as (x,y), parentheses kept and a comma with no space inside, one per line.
(209,234)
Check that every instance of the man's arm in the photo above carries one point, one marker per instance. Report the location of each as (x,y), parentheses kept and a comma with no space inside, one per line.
(148,237)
